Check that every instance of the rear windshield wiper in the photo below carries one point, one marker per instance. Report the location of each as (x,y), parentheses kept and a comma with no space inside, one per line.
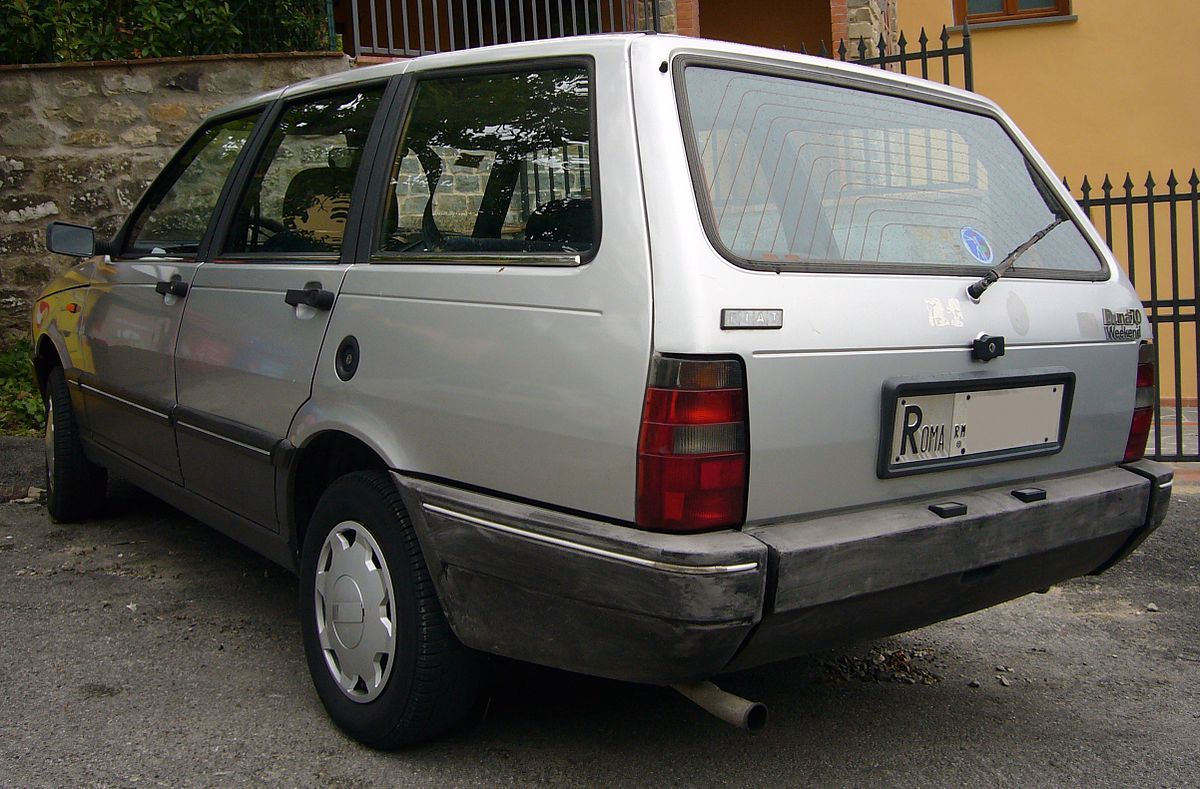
(976,290)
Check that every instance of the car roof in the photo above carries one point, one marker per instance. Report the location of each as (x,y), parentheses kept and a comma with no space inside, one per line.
(664,45)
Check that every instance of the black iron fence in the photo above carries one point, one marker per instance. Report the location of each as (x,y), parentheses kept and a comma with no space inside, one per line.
(924,62)
(1154,230)
(406,28)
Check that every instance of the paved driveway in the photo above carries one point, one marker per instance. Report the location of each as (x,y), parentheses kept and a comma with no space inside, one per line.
(145,647)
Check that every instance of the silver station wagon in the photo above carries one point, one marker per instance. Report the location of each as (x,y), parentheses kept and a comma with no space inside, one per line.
(641,356)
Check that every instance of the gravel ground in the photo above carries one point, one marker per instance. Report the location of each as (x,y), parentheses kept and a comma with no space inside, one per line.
(145,648)
(21,462)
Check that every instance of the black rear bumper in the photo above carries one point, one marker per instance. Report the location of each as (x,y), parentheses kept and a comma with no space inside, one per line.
(603,599)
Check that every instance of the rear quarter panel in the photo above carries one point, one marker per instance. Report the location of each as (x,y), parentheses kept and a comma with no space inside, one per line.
(527,381)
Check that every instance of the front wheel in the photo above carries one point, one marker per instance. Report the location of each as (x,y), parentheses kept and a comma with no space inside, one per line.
(74,485)
(382,656)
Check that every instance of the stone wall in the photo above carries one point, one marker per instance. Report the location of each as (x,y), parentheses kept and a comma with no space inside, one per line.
(80,142)
(868,20)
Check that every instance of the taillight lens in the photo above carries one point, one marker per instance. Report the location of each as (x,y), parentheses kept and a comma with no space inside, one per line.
(693,458)
(1143,405)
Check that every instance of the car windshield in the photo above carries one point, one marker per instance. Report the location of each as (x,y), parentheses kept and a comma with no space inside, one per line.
(794,172)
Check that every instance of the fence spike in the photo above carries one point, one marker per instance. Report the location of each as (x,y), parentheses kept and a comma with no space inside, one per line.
(842,50)
(902,41)
(862,49)
(1106,186)
(1172,181)
(803,49)
(882,50)
(1128,183)
(1150,181)
(824,49)
(945,37)
(1194,181)
(923,39)
(1085,188)
(1066,185)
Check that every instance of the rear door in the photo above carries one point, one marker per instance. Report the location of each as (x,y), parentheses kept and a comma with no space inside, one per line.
(838,222)
(257,312)
(136,300)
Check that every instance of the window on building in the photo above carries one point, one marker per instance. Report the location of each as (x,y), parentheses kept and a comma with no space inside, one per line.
(975,11)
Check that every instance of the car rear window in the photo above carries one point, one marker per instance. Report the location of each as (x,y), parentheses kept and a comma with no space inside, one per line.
(798,173)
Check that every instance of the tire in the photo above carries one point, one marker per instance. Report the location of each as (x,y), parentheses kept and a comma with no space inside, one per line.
(428,683)
(75,486)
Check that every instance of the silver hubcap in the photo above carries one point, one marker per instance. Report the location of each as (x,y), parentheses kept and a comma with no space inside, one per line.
(356,611)
(49,441)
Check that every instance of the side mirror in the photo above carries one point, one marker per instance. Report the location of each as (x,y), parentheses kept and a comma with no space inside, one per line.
(75,240)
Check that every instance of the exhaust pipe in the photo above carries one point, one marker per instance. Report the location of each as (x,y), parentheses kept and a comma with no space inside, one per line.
(734,710)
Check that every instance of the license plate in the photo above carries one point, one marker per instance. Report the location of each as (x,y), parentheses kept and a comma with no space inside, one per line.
(940,429)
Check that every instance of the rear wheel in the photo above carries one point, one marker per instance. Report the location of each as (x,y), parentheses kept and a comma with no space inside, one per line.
(382,657)
(74,485)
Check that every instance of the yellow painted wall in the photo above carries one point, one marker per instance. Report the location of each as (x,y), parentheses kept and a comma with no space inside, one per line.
(1117,90)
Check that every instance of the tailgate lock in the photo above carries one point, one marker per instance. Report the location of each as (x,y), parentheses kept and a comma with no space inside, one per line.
(985,348)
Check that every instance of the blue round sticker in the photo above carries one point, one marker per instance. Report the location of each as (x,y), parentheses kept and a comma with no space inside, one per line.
(977,245)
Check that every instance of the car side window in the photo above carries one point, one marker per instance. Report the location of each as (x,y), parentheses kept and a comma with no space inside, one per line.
(496,164)
(298,198)
(181,202)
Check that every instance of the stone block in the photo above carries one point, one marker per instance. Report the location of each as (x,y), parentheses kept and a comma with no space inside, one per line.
(29,273)
(234,79)
(23,242)
(140,136)
(174,135)
(188,81)
(73,88)
(468,184)
(13,173)
(26,208)
(284,72)
(207,108)
(26,133)
(127,82)
(15,88)
(118,113)
(71,171)
(107,226)
(89,138)
(89,202)
(73,114)
(129,190)
(168,111)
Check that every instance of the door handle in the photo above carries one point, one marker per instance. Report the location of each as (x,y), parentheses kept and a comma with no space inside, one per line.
(316,298)
(172,287)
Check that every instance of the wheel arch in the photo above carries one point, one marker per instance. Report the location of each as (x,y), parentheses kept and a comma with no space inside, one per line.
(45,358)
(322,458)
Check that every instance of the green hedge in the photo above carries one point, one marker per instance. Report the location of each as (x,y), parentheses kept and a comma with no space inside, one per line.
(21,411)
(42,31)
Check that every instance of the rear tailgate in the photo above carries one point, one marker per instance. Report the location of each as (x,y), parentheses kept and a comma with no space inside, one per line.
(861,218)
(822,389)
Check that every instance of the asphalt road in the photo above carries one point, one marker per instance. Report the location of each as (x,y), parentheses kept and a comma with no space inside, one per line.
(145,648)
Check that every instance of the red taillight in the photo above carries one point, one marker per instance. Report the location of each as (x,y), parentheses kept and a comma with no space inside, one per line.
(1143,405)
(693,460)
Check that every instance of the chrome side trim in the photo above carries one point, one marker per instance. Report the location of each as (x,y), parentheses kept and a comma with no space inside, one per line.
(226,439)
(122,400)
(710,569)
